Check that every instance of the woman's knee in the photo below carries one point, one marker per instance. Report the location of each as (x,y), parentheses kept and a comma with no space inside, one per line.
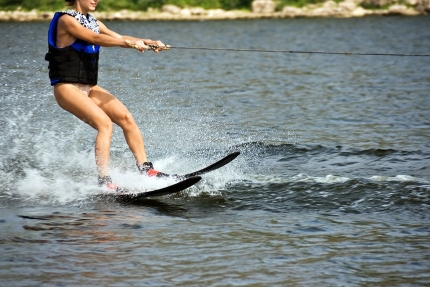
(104,125)
(126,121)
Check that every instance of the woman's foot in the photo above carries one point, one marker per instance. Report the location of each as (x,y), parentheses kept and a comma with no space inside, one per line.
(147,168)
(106,181)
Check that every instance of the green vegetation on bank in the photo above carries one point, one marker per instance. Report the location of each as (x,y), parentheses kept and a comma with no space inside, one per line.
(143,5)
(107,5)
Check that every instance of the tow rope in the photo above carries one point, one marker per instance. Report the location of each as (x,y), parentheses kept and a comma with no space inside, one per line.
(168,47)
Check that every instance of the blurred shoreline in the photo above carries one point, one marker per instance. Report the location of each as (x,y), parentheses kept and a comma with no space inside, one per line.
(345,9)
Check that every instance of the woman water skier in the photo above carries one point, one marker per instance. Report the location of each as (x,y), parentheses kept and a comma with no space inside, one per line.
(74,40)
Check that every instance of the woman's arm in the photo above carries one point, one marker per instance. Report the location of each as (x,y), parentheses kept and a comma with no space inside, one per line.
(68,27)
(105,30)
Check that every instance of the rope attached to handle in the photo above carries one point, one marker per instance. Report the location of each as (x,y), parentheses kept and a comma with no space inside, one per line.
(168,47)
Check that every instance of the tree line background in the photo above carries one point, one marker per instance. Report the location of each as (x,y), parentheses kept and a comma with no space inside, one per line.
(142,5)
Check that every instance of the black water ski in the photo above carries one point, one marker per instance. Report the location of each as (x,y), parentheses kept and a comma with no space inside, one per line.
(212,167)
(177,187)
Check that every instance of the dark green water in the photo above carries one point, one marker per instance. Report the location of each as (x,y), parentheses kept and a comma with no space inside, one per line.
(332,187)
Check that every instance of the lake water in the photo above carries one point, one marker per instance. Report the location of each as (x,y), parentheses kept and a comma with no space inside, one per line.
(332,187)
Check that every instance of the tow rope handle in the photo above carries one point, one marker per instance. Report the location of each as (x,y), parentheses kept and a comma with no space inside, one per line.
(150,47)
(153,47)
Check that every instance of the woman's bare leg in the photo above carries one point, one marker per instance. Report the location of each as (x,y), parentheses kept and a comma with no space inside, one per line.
(120,115)
(71,99)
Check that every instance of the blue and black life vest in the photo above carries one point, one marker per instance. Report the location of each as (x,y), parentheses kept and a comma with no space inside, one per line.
(77,63)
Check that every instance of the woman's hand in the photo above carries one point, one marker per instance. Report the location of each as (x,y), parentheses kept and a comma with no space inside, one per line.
(146,44)
(138,45)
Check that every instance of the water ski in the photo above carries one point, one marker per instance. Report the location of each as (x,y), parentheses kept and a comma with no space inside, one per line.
(185,181)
